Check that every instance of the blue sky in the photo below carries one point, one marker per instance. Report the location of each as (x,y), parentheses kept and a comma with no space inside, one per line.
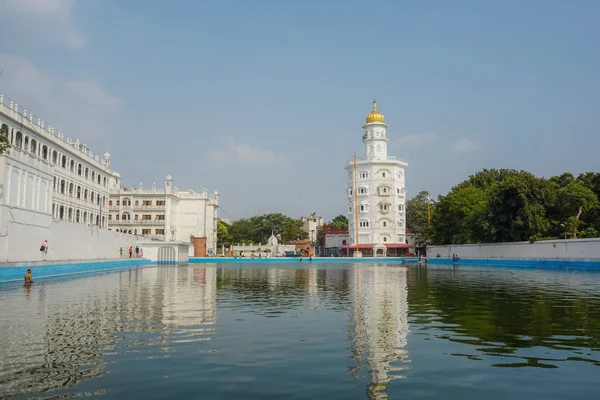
(264,100)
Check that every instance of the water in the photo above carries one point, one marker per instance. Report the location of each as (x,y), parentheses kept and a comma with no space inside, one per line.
(330,331)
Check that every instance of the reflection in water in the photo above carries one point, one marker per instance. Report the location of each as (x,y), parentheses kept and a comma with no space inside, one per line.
(380,325)
(62,333)
(289,331)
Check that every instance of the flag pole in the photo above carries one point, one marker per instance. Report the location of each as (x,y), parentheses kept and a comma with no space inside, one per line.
(355,204)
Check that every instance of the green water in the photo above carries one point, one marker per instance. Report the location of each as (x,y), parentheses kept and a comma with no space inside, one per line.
(312,331)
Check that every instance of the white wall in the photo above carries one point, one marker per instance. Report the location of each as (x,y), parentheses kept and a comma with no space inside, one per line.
(335,240)
(23,231)
(547,249)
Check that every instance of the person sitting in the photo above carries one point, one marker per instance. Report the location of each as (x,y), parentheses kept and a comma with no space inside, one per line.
(28,277)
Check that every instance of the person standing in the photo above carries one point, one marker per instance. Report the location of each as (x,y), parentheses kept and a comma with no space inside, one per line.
(130,251)
(44,249)
(121,252)
(137,252)
(28,277)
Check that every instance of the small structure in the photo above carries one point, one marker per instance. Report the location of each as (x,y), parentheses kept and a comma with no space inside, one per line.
(271,249)
(333,240)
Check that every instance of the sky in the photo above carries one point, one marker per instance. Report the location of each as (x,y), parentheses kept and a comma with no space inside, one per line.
(264,100)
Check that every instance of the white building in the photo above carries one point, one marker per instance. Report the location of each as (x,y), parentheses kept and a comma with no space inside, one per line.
(310,225)
(52,188)
(376,194)
(167,214)
(271,249)
(48,173)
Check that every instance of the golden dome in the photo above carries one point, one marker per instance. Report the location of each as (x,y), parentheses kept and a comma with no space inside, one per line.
(375,115)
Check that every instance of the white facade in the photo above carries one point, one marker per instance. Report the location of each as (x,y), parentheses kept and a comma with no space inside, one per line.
(271,249)
(45,173)
(165,214)
(310,225)
(380,189)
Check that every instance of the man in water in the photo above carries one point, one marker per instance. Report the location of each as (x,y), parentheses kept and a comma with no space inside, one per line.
(28,277)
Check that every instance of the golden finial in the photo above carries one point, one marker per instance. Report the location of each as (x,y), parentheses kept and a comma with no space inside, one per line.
(375,115)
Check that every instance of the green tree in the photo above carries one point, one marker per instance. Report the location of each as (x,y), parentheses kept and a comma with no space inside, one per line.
(223,236)
(258,229)
(340,222)
(4,142)
(572,201)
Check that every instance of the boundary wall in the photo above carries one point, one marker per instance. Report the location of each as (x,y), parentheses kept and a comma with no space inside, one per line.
(570,249)
(23,231)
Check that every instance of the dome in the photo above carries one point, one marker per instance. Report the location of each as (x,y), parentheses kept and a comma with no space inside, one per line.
(375,115)
(106,155)
(169,178)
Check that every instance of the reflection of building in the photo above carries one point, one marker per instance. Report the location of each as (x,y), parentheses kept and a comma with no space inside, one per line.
(74,327)
(380,322)
(166,214)
(376,194)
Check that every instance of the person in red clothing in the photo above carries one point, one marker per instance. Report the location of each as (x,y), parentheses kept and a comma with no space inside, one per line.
(130,251)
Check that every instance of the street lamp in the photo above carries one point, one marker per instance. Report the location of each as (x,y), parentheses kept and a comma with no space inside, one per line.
(563,225)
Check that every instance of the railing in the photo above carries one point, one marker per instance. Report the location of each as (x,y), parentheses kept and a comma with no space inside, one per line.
(374,158)
(27,120)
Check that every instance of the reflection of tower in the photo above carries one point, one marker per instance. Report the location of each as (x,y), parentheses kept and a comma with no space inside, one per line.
(380,322)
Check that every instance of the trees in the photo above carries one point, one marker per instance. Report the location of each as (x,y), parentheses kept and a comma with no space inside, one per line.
(509,205)
(340,222)
(4,143)
(258,229)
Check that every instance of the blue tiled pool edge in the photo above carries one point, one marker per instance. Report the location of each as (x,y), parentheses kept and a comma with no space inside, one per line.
(12,275)
(523,263)
(531,263)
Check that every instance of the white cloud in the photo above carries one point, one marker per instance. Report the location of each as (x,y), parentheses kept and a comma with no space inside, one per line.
(416,139)
(49,21)
(243,154)
(464,145)
(79,108)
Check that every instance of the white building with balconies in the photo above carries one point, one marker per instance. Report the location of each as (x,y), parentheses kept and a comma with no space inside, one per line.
(376,194)
(167,214)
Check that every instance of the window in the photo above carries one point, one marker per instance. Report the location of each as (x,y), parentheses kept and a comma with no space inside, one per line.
(146,231)
(398,190)
(364,175)
(350,192)
(159,231)
(137,202)
(146,217)
(79,192)
(117,217)
(79,169)
(401,208)
(147,203)
(363,224)
(160,202)
(118,202)
(362,191)
(160,217)
(110,217)
(384,207)
(362,208)
(136,217)
(383,174)
(384,223)
(349,209)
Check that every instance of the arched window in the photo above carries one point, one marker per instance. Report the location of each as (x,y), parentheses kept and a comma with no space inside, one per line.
(105,182)
(93,176)
(54,157)
(79,192)
(63,162)
(72,166)
(98,179)
(85,215)
(363,224)
(33,146)
(70,214)
(26,145)
(385,238)
(61,212)
(45,152)
(77,216)
(19,141)
(85,194)
(71,189)
(79,169)
(98,199)
(62,186)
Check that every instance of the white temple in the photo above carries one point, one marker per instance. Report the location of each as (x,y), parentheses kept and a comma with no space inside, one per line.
(376,195)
